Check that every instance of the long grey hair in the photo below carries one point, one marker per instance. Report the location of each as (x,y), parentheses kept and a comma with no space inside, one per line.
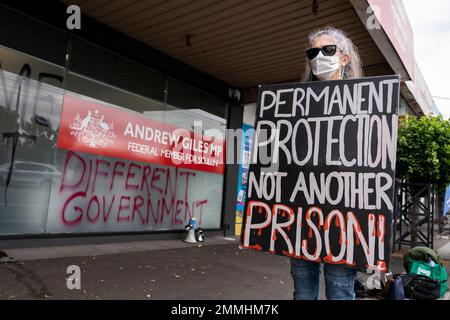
(353,69)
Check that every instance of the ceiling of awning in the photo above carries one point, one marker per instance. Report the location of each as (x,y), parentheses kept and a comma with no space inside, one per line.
(244,43)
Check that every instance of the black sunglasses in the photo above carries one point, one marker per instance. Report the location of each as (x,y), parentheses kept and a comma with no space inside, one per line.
(328,50)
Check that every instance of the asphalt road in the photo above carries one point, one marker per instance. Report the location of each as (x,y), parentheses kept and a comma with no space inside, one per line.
(207,272)
(190,273)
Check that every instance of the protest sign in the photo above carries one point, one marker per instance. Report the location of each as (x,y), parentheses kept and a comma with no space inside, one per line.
(321,183)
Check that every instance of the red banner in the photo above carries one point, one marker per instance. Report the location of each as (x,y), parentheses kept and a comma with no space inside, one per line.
(92,127)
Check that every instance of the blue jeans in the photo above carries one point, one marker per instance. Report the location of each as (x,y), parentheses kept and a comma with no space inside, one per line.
(339,280)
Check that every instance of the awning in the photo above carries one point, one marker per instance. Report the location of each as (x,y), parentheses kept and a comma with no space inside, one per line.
(388,25)
(244,43)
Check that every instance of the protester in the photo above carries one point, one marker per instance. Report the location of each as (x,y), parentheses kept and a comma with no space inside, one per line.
(331,55)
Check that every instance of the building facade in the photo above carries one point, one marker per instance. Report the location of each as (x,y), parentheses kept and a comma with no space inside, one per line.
(146,69)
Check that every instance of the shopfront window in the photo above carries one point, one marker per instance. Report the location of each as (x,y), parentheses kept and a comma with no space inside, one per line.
(80,160)
(30,103)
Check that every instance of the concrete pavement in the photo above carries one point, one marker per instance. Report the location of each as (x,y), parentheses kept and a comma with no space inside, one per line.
(220,271)
(96,249)
(149,269)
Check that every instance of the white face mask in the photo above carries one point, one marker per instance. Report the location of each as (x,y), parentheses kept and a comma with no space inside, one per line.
(324,67)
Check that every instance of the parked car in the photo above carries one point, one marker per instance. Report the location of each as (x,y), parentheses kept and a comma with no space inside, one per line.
(27,173)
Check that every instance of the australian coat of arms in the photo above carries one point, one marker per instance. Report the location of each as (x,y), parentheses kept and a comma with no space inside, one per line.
(92,130)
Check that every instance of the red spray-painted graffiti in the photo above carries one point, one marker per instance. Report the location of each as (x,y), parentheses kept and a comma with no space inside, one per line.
(114,191)
(279,218)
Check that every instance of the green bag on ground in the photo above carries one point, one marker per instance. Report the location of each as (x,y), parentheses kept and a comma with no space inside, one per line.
(422,254)
(431,270)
